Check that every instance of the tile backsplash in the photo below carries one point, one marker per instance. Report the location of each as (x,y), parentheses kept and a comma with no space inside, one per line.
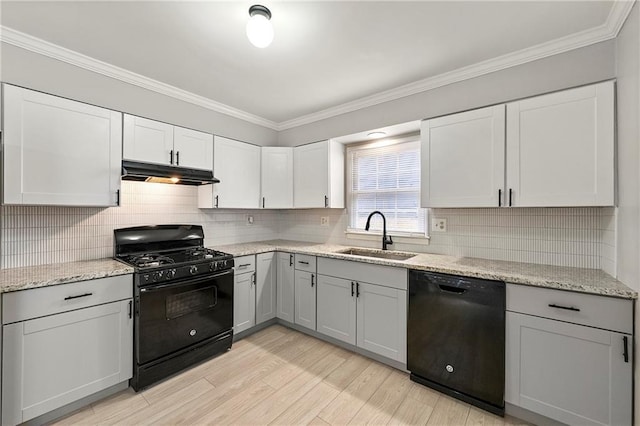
(580,237)
(41,235)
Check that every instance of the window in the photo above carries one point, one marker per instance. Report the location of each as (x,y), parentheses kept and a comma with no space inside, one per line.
(385,176)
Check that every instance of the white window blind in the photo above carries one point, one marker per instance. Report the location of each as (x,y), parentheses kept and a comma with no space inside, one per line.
(386,177)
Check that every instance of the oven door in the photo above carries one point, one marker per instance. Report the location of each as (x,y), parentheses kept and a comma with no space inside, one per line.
(172,316)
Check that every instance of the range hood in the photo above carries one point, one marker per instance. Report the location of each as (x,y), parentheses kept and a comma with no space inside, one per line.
(145,172)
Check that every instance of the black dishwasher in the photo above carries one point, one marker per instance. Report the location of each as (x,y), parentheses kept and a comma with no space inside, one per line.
(455,337)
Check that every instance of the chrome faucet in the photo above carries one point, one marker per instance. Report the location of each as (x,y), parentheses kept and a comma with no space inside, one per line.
(386,240)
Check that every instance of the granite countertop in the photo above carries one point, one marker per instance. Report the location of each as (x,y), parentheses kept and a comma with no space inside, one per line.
(60,273)
(582,280)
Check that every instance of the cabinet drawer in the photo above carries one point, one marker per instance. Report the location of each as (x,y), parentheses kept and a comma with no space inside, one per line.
(244,264)
(387,276)
(304,262)
(609,313)
(39,302)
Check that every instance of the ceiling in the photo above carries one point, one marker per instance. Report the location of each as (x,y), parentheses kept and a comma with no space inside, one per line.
(324,54)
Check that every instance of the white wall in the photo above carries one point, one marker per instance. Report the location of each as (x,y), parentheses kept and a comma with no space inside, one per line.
(34,71)
(628,104)
(581,66)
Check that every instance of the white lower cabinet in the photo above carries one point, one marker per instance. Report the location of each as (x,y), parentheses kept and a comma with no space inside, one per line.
(371,316)
(285,288)
(265,286)
(51,361)
(569,372)
(244,293)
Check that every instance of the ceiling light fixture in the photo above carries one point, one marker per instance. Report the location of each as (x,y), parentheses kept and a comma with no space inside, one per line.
(376,135)
(259,28)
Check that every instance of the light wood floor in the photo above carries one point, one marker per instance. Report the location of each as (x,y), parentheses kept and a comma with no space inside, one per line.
(283,377)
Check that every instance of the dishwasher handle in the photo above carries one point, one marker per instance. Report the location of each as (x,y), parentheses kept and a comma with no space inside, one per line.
(451,289)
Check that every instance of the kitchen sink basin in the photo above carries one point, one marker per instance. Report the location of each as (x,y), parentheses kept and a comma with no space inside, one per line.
(380,254)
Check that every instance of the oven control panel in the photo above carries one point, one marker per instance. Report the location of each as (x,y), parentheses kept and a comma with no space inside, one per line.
(167,274)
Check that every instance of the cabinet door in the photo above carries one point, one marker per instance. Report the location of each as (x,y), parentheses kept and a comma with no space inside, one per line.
(382,321)
(193,149)
(570,373)
(59,152)
(305,297)
(311,175)
(337,308)
(463,159)
(52,361)
(277,177)
(560,148)
(265,287)
(285,291)
(148,141)
(244,302)
(237,165)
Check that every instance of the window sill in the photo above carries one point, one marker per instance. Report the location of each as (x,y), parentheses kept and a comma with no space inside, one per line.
(376,236)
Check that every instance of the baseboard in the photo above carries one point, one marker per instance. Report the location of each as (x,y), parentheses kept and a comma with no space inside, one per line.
(381,359)
(254,329)
(529,416)
(76,405)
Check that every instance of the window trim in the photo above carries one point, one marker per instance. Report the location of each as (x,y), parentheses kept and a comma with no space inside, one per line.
(361,234)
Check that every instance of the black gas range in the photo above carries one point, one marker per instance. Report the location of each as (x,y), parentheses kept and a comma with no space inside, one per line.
(183,297)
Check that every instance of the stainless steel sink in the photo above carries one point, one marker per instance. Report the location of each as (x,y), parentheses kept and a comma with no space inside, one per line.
(380,254)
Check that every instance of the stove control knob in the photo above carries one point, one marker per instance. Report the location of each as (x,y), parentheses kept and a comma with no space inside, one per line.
(146,278)
(193,269)
(171,273)
(213,266)
(157,276)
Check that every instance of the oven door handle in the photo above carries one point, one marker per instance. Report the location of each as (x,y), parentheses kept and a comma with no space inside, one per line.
(189,281)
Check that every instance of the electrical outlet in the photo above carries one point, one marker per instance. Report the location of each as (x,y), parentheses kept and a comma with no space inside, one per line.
(249,220)
(324,221)
(438,225)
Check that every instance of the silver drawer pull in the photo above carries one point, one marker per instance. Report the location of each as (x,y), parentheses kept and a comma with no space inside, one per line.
(244,265)
(568,308)
(303,262)
(78,296)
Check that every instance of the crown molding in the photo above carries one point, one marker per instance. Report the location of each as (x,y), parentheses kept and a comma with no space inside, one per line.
(618,14)
(610,29)
(45,48)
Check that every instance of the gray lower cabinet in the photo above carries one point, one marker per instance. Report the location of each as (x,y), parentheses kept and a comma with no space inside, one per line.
(244,293)
(305,291)
(63,343)
(305,299)
(560,365)
(372,316)
(382,321)
(285,289)
(266,266)
(337,308)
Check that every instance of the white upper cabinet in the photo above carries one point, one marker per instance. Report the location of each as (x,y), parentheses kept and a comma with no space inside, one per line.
(277,177)
(59,152)
(560,148)
(147,140)
(557,151)
(463,159)
(318,172)
(151,141)
(237,165)
(193,149)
